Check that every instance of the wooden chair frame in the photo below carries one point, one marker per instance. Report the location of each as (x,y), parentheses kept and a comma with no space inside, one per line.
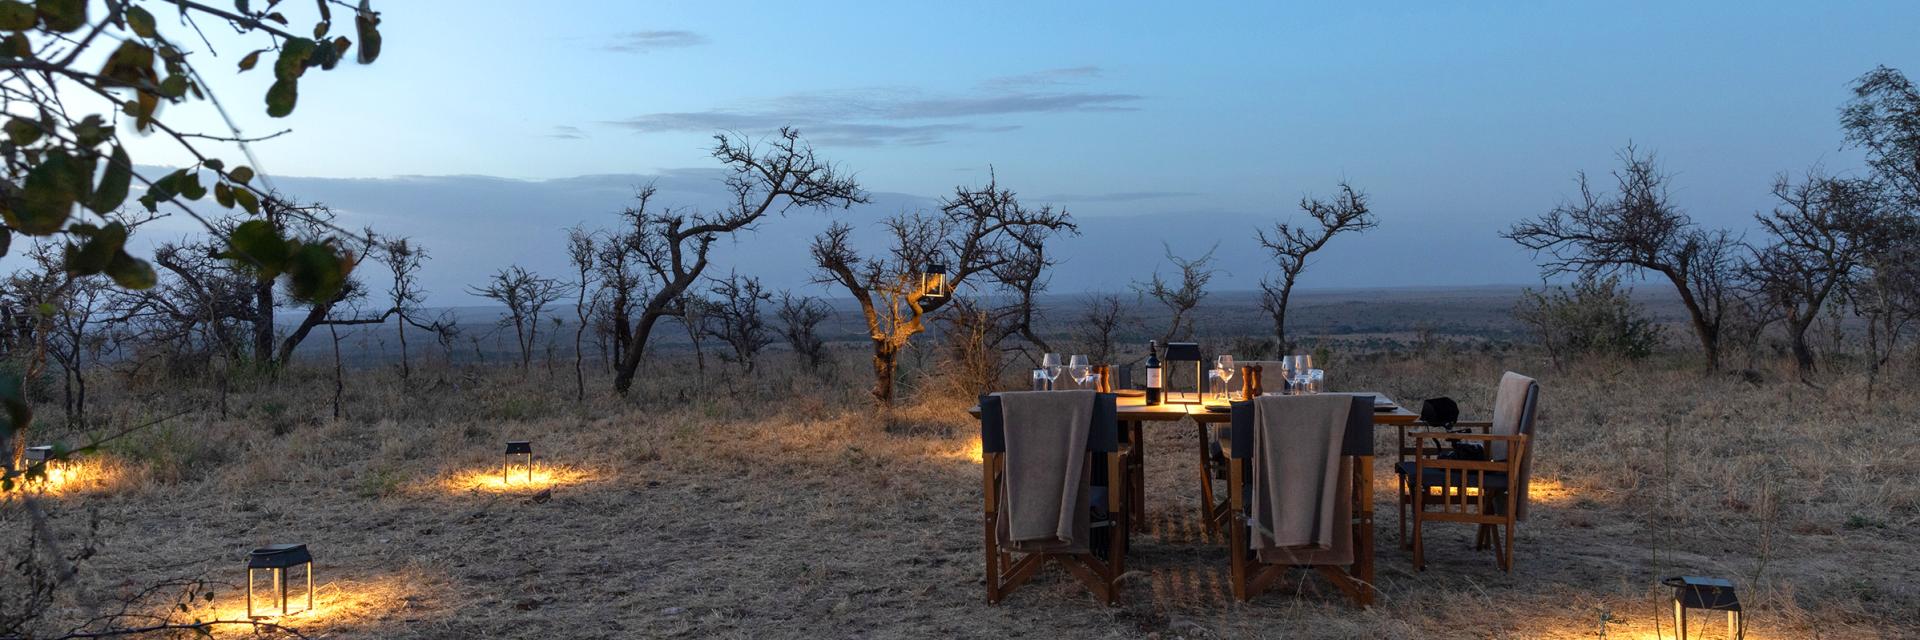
(1250,577)
(1006,572)
(1411,435)
(1463,496)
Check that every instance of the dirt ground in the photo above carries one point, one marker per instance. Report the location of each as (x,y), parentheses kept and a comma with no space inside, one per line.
(777,505)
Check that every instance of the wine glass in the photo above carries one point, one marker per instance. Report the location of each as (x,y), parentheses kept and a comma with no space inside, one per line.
(1077,367)
(1225,364)
(1051,363)
(1299,372)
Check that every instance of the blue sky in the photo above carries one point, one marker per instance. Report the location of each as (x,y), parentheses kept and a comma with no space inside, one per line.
(1457,117)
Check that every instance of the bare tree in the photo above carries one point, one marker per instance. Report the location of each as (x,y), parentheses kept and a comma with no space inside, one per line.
(1639,228)
(800,318)
(1181,299)
(1822,232)
(1291,245)
(1100,322)
(733,317)
(780,174)
(1024,277)
(1884,119)
(526,295)
(582,250)
(975,232)
(404,259)
(1889,296)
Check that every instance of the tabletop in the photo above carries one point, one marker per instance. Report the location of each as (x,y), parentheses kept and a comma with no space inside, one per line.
(1136,409)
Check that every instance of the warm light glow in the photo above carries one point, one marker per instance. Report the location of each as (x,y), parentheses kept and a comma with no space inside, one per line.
(971,452)
(1549,491)
(336,604)
(1472,492)
(545,476)
(71,477)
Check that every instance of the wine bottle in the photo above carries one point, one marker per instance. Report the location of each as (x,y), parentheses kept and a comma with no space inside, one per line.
(1153,372)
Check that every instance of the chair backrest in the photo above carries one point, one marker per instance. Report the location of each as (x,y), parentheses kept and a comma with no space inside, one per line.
(1103,437)
(1513,410)
(1357,442)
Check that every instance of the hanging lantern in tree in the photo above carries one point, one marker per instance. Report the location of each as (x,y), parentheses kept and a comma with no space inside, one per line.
(1706,594)
(523,448)
(277,561)
(933,283)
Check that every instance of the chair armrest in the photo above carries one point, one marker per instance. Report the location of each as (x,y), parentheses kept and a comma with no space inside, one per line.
(1472,437)
(1483,425)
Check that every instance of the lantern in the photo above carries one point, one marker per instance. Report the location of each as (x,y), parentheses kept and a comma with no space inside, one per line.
(517,448)
(278,561)
(42,456)
(1710,594)
(1180,357)
(933,283)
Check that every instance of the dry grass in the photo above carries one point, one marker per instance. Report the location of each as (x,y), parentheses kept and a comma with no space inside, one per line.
(782,508)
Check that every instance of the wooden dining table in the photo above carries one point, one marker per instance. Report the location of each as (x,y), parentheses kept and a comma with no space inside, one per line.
(1134,413)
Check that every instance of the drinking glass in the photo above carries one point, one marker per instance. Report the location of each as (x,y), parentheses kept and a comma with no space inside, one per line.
(1051,363)
(1077,367)
(1316,381)
(1039,379)
(1216,385)
(1298,368)
(1225,365)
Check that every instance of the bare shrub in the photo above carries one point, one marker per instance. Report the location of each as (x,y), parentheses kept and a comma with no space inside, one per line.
(734,318)
(526,295)
(1593,317)
(800,318)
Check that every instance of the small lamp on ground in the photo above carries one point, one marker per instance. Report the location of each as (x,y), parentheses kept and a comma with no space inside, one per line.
(1707,594)
(933,283)
(1180,357)
(517,448)
(43,457)
(278,561)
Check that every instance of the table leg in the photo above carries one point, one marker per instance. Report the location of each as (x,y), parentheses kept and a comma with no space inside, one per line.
(1138,475)
(1206,480)
(1363,526)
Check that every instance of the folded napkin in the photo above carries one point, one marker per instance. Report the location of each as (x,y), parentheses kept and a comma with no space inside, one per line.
(1301,487)
(1044,508)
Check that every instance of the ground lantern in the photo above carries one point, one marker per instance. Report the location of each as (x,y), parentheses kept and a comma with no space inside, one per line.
(278,561)
(1180,357)
(523,448)
(1706,594)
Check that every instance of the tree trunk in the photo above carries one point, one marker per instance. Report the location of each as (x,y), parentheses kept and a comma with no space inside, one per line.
(636,351)
(263,324)
(1707,332)
(1802,352)
(406,370)
(886,362)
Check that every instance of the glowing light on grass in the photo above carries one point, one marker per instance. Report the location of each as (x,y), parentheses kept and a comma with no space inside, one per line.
(1549,491)
(71,477)
(337,605)
(971,452)
(542,476)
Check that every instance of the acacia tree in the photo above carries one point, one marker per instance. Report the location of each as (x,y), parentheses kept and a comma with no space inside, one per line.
(1883,118)
(1889,296)
(671,246)
(1639,229)
(733,317)
(975,232)
(526,295)
(1291,245)
(581,251)
(1180,298)
(1101,320)
(404,259)
(1822,232)
(800,318)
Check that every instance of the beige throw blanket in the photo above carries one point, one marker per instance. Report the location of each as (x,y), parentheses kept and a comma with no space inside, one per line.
(1302,487)
(1043,507)
(1509,409)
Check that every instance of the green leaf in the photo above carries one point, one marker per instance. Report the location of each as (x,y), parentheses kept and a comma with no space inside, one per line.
(241,174)
(293,58)
(132,273)
(16,45)
(251,59)
(140,22)
(64,16)
(316,272)
(247,200)
(23,131)
(368,24)
(215,164)
(190,187)
(46,199)
(16,15)
(92,130)
(223,194)
(320,28)
(174,86)
(257,244)
(6,241)
(130,65)
(102,244)
(281,97)
(112,190)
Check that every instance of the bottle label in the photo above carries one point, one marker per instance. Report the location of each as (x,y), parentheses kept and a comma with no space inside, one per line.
(1153,378)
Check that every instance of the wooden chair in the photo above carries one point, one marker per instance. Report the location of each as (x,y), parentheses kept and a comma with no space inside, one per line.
(1249,576)
(1490,493)
(1213,459)
(1101,566)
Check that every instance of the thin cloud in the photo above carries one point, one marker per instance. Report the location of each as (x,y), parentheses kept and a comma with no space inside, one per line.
(650,41)
(1123,196)
(564,132)
(887,115)
(1047,77)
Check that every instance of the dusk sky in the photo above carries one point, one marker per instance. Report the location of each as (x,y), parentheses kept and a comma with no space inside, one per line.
(1458,118)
